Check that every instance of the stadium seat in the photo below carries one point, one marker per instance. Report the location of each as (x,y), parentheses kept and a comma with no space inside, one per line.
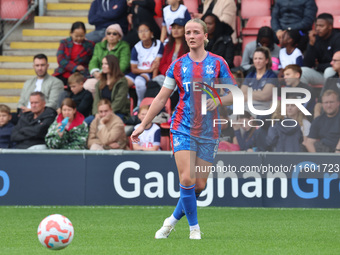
(250,8)
(247,39)
(13,9)
(148,101)
(255,23)
(192,5)
(336,23)
(165,143)
(328,6)
(237,60)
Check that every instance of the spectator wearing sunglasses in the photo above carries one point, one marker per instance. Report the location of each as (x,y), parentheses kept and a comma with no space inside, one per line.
(112,45)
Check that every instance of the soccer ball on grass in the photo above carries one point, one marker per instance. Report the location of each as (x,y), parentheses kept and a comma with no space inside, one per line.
(55,232)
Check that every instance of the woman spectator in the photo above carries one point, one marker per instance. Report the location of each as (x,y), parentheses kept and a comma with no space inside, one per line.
(265,38)
(73,135)
(262,80)
(112,86)
(145,59)
(74,53)
(107,129)
(112,45)
(219,35)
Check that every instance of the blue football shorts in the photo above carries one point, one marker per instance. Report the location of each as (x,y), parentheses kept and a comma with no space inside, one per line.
(206,149)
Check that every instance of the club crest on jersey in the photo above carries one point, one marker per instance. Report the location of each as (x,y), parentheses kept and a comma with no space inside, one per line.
(184,69)
(209,70)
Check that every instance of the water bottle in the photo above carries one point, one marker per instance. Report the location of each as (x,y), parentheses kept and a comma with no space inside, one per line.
(63,124)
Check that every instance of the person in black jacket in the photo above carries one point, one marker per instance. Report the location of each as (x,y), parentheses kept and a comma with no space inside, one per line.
(32,127)
(219,35)
(323,43)
(293,15)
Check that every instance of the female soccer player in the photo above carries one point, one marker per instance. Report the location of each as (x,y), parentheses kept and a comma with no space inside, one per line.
(194,139)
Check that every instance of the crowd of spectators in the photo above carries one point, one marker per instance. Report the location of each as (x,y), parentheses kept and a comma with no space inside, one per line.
(103,75)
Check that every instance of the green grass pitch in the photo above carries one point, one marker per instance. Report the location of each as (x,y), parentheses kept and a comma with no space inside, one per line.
(130,230)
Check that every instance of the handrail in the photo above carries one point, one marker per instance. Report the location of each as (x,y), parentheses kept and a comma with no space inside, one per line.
(30,10)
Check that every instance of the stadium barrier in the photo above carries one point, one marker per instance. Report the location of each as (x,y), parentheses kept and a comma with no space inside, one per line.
(150,178)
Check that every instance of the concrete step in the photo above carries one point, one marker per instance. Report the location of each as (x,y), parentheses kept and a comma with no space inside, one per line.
(23,62)
(71,13)
(46,22)
(10,92)
(11,75)
(34,45)
(25,52)
(68,6)
(46,35)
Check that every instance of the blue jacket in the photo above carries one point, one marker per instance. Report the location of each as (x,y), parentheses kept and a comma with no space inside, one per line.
(104,13)
(285,139)
(296,14)
(5,135)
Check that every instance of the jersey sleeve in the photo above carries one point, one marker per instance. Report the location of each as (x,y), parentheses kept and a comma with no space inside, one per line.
(157,137)
(161,50)
(226,77)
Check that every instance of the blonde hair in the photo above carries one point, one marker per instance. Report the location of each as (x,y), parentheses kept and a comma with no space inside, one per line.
(76,78)
(204,26)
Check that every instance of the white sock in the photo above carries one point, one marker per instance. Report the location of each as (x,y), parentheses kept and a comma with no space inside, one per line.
(140,84)
(172,220)
(194,227)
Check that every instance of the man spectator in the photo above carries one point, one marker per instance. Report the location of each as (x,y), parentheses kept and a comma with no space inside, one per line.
(324,135)
(50,86)
(323,43)
(293,15)
(104,13)
(292,74)
(332,83)
(32,127)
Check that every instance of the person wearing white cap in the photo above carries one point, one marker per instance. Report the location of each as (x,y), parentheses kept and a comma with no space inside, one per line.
(112,45)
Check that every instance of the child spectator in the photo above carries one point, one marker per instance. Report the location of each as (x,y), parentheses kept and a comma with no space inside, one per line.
(173,11)
(74,53)
(150,139)
(5,126)
(289,53)
(145,59)
(107,129)
(75,133)
(78,94)
(287,137)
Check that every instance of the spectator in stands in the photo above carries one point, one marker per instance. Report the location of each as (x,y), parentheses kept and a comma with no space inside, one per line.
(150,139)
(6,127)
(225,10)
(262,80)
(290,54)
(107,129)
(332,83)
(78,94)
(145,59)
(32,127)
(174,10)
(265,38)
(112,45)
(104,13)
(112,86)
(297,15)
(292,74)
(219,35)
(323,43)
(141,11)
(324,135)
(74,135)
(227,135)
(50,86)
(74,53)
(287,137)
(244,133)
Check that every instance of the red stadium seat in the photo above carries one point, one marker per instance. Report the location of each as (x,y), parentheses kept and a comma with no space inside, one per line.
(336,23)
(148,101)
(237,61)
(13,9)
(328,6)
(250,8)
(192,5)
(165,143)
(247,39)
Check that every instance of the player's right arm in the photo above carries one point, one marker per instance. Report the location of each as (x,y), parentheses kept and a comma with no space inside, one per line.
(156,106)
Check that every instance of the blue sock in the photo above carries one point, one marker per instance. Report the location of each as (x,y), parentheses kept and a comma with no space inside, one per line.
(179,210)
(189,203)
